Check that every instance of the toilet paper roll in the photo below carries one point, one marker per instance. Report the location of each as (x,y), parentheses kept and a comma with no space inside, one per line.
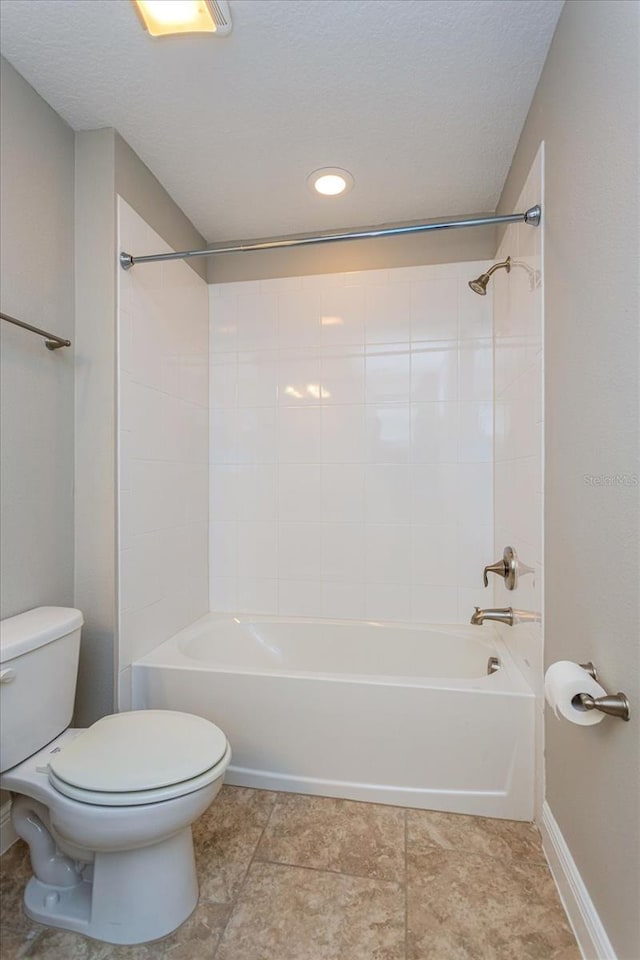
(563,681)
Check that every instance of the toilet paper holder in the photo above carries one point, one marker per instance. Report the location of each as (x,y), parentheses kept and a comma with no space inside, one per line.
(615,704)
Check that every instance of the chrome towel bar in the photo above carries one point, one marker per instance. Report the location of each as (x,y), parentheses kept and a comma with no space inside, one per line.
(51,341)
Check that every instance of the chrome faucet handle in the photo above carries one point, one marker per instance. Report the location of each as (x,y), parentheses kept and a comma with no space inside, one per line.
(507,568)
(497,567)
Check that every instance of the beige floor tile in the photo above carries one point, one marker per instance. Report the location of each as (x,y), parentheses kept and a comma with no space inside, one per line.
(505,839)
(361,839)
(63,945)
(198,938)
(226,837)
(290,913)
(13,945)
(15,872)
(140,951)
(568,953)
(55,944)
(478,889)
(462,906)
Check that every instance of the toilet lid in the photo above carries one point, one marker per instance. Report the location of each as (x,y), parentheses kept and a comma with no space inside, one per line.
(140,750)
(136,798)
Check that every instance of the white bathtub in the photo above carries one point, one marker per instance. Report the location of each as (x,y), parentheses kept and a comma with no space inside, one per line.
(401,714)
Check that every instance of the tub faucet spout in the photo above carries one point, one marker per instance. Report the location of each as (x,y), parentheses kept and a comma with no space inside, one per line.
(501,614)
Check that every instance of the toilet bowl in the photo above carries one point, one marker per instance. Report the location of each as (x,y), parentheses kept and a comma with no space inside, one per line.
(106,811)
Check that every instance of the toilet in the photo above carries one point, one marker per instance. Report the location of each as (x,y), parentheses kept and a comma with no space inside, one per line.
(107,810)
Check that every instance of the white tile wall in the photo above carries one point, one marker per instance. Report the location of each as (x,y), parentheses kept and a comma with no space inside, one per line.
(163,415)
(351,444)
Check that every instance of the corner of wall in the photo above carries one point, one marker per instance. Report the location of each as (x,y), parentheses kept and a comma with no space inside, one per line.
(136,184)
(95,350)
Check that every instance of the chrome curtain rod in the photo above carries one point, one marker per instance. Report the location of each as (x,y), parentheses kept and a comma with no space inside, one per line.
(530,216)
(51,341)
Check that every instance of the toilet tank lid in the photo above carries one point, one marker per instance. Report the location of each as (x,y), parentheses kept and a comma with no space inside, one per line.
(32,629)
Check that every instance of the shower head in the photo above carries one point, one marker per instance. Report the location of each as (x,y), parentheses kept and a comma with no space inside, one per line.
(479,285)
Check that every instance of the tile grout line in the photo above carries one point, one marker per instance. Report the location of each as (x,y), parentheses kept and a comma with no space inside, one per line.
(28,941)
(470,852)
(328,870)
(240,891)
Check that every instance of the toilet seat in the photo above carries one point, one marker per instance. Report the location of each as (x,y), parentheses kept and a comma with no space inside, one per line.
(140,797)
(143,756)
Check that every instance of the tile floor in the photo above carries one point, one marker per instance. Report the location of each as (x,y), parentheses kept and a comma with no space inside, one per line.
(287,877)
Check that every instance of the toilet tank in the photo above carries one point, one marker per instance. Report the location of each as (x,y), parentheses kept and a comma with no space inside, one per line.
(38,671)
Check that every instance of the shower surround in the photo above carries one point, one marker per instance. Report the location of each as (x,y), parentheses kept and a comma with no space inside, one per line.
(351,445)
(351,423)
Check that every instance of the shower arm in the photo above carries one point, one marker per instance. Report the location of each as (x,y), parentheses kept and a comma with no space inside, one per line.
(531,216)
(503,265)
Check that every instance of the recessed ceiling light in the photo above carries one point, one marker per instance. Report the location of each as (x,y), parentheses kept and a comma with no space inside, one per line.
(330,181)
(162,17)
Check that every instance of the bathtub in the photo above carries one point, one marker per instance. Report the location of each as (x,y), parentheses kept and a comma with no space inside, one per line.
(391,713)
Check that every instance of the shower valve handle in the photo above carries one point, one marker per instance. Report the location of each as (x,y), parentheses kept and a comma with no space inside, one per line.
(507,568)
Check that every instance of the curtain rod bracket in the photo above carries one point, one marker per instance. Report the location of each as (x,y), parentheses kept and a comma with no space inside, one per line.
(532,216)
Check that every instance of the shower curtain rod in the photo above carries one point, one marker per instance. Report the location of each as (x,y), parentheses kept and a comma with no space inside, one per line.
(530,216)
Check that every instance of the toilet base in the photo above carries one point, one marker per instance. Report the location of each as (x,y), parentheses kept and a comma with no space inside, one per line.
(134,895)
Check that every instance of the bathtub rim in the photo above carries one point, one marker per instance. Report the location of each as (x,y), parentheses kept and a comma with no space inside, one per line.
(508,681)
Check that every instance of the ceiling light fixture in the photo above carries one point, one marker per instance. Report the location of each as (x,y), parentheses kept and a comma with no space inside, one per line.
(164,17)
(330,181)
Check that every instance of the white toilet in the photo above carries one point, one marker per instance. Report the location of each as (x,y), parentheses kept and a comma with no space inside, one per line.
(106,811)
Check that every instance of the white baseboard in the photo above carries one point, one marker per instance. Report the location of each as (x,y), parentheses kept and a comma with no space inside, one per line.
(588,929)
(7,833)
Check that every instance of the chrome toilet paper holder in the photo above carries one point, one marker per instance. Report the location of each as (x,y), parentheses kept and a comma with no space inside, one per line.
(615,704)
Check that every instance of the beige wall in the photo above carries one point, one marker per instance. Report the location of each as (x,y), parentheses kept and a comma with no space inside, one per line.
(443,246)
(105,167)
(37,385)
(46,211)
(586,111)
(36,406)
(137,185)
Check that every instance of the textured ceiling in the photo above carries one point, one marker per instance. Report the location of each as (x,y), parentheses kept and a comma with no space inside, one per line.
(422,100)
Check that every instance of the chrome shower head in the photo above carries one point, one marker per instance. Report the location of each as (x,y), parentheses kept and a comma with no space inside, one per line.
(479,285)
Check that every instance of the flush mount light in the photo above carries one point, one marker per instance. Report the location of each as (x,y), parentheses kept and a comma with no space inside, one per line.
(330,181)
(163,17)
